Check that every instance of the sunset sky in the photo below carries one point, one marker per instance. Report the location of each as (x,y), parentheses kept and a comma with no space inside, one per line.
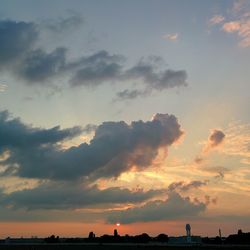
(133,112)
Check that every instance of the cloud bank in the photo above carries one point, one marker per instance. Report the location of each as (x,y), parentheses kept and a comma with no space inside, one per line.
(21,56)
(62,196)
(115,148)
(174,207)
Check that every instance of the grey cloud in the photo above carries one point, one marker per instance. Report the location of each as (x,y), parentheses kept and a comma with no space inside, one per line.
(185,186)
(20,54)
(16,39)
(73,20)
(89,128)
(16,135)
(129,94)
(175,207)
(96,74)
(63,196)
(154,79)
(115,148)
(96,69)
(39,66)
(216,137)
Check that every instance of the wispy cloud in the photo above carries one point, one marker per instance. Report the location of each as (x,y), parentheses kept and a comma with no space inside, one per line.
(216,19)
(171,37)
(238,141)
(237,22)
(3,87)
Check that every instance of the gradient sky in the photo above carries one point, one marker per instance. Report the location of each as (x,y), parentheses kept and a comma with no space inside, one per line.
(124,111)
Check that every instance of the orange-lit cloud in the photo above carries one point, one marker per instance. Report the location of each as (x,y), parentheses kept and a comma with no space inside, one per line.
(238,23)
(216,19)
(238,141)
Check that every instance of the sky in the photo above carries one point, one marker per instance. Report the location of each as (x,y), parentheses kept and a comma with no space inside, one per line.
(133,112)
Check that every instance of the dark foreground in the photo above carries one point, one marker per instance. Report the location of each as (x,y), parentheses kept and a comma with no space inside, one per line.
(114,246)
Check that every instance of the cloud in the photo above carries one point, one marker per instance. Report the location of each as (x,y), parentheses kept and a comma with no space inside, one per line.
(238,141)
(238,22)
(183,186)
(96,69)
(153,79)
(38,66)
(16,135)
(216,19)
(171,37)
(61,196)
(89,128)
(158,80)
(209,200)
(198,160)
(218,170)
(16,39)
(174,207)
(23,58)
(3,87)
(115,148)
(61,24)
(214,140)
(129,94)
(231,27)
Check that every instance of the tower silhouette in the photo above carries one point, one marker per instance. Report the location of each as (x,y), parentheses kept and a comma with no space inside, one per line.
(115,233)
(188,230)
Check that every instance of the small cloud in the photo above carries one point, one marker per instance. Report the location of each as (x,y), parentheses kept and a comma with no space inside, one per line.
(198,160)
(214,140)
(231,27)
(171,37)
(216,20)
(3,87)
(216,137)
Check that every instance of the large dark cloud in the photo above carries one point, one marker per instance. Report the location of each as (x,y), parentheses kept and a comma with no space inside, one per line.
(115,148)
(174,207)
(63,196)
(21,55)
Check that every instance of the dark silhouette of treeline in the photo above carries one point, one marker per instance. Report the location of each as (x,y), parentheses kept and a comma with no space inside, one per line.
(234,239)
(237,239)
(142,238)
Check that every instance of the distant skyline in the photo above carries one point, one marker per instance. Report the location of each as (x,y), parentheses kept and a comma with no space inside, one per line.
(130,112)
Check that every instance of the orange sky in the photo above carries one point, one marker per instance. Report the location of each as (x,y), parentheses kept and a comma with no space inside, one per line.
(67,229)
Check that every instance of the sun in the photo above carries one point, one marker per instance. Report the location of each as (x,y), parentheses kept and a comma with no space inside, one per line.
(118,224)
